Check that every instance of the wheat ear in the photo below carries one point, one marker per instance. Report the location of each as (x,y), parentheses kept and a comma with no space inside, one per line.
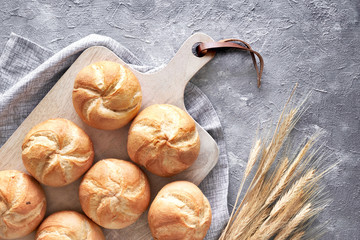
(298,236)
(303,215)
(284,208)
(283,182)
(293,192)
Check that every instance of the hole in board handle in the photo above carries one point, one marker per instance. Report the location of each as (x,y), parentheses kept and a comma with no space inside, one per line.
(194,50)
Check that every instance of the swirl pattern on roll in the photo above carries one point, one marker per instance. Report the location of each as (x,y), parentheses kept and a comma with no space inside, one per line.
(179,211)
(106,95)
(163,138)
(57,152)
(114,193)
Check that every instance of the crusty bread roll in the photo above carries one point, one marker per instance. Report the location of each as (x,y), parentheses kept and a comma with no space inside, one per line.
(68,225)
(114,193)
(57,152)
(106,95)
(164,139)
(22,204)
(180,211)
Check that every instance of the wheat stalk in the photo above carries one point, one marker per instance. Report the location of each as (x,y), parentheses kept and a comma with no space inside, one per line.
(303,215)
(249,231)
(283,182)
(294,192)
(280,200)
(298,236)
(251,162)
(286,207)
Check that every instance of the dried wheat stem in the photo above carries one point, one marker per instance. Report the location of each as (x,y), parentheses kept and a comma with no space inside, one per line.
(298,236)
(274,147)
(293,192)
(303,215)
(249,213)
(271,207)
(250,229)
(246,217)
(273,224)
(278,134)
(280,171)
(260,207)
(252,157)
(288,174)
(283,112)
(284,208)
(254,153)
(284,126)
(243,226)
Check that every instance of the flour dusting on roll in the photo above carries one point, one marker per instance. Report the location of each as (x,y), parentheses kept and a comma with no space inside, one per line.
(57,152)
(68,225)
(163,138)
(114,193)
(179,211)
(22,204)
(106,95)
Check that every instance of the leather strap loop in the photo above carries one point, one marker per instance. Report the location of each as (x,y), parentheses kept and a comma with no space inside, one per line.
(203,48)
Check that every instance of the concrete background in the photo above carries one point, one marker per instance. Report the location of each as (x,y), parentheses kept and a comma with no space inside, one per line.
(316,44)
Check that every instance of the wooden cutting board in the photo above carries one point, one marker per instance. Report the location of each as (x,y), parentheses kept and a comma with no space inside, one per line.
(166,85)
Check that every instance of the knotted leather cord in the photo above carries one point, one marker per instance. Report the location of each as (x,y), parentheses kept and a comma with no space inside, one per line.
(204,47)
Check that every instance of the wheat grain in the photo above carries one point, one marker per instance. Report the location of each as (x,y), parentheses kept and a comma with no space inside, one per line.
(283,127)
(298,236)
(276,143)
(304,214)
(257,221)
(293,192)
(252,157)
(284,208)
(288,174)
(280,171)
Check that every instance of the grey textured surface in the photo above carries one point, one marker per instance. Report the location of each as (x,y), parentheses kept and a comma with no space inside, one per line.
(315,43)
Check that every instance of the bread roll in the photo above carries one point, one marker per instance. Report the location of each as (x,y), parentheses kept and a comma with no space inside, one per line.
(68,225)
(106,95)
(57,152)
(164,139)
(114,193)
(180,211)
(22,204)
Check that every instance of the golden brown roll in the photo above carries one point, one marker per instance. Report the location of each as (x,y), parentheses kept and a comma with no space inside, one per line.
(114,193)
(57,152)
(68,225)
(164,139)
(106,95)
(22,204)
(180,211)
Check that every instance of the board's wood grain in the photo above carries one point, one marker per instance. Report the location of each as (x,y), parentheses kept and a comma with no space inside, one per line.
(167,85)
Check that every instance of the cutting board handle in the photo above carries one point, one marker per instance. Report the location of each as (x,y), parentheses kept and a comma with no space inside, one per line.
(175,75)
